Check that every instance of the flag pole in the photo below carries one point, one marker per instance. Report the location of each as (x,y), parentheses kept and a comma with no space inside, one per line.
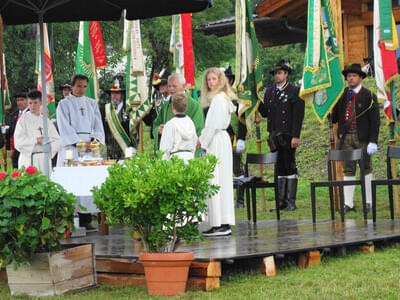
(3,105)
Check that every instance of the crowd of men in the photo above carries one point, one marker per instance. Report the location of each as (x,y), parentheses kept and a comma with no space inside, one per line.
(79,119)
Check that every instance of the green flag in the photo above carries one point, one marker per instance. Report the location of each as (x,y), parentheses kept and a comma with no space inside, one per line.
(84,61)
(249,74)
(322,82)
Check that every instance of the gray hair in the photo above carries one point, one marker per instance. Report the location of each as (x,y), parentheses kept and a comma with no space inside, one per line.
(180,77)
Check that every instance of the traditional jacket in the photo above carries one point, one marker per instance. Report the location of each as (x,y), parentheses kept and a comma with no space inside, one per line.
(114,151)
(367,115)
(283,109)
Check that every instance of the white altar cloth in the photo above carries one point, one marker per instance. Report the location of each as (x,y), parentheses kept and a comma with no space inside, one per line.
(79,181)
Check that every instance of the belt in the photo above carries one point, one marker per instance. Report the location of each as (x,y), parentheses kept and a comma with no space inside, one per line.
(180,151)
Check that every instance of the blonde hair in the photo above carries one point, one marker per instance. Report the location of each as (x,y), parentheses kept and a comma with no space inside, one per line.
(179,102)
(223,86)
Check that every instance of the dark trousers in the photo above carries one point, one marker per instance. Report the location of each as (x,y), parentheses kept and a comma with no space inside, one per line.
(286,162)
(15,159)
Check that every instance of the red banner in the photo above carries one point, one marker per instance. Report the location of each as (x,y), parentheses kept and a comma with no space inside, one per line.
(188,49)
(96,40)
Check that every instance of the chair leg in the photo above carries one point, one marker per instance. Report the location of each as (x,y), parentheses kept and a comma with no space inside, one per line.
(248,202)
(253,200)
(341,203)
(278,212)
(331,203)
(313,212)
(373,191)
(390,188)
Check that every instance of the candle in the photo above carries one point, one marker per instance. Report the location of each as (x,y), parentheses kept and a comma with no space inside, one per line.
(69,154)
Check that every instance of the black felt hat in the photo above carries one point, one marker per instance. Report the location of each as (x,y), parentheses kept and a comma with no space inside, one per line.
(283,65)
(354,68)
(115,88)
(66,85)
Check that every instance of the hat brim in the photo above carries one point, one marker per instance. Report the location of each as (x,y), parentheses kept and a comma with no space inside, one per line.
(347,71)
(272,71)
(115,91)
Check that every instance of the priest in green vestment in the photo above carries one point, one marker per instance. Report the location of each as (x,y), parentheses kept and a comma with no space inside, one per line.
(176,84)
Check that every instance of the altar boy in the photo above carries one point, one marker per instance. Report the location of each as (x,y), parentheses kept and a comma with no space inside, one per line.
(179,136)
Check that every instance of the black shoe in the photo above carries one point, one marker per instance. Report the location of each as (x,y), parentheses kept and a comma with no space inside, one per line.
(89,227)
(218,231)
(291,206)
(348,209)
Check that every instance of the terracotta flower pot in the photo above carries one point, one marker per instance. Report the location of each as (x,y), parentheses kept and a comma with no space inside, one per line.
(166,273)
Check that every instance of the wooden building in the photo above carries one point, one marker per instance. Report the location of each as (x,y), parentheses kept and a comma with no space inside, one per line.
(280,22)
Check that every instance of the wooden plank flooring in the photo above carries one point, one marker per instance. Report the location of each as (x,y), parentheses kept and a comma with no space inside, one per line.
(266,238)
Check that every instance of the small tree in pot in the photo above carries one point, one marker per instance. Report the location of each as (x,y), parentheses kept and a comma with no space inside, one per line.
(161,200)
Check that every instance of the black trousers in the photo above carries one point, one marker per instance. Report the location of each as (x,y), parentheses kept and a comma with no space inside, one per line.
(286,163)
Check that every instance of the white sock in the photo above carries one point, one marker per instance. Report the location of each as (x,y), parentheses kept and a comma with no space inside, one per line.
(368,190)
(348,191)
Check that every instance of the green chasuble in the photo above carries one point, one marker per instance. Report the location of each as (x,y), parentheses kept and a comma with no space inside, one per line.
(194,111)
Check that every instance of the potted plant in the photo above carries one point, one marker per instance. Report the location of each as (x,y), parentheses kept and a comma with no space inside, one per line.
(162,201)
(35,214)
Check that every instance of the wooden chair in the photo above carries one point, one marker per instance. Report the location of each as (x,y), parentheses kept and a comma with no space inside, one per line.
(392,153)
(255,182)
(333,156)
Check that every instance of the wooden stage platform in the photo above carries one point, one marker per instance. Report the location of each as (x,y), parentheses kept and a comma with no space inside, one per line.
(265,238)
(251,245)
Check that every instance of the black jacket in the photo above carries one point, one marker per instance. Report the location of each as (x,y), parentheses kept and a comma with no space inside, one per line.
(284,110)
(367,115)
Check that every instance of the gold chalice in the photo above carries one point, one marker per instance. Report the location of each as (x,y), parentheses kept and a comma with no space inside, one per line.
(95,146)
(81,147)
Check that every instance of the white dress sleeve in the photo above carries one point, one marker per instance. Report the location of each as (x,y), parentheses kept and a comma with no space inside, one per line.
(23,140)
(167,140)
(67,132)
(98,130)
(218,118)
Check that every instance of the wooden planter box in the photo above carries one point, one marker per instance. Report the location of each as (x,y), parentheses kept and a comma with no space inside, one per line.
(55,273)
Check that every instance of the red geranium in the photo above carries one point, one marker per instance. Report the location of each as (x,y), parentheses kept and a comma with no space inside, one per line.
(30,170)
(15,174)
(156,76)
(2,175)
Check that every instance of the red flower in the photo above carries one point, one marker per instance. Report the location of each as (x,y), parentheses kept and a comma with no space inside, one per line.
(30,170)
(15,174)
(156,76)
(2,175)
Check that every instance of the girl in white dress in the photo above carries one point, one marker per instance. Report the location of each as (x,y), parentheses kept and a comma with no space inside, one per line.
(217,95)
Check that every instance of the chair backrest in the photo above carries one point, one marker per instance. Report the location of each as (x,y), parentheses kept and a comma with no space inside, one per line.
(345,155)
(392,153)
(256,158)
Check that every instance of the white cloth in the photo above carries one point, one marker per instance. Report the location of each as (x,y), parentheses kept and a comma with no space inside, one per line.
(240,146)
(29,128)
(78,117)
(179,134)
(215,140)
(80,181)
(372,148)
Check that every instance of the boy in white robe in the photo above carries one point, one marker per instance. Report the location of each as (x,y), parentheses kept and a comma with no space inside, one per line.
(78,117)
(28,135)
(179,136)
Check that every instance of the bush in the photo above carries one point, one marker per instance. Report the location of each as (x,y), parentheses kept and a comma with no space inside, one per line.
(34,215)
(154,196)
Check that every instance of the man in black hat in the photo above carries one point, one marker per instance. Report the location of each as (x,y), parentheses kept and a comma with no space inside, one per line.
(285,113)
(12,119)
(357,115)
(115,148)
(66,89)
